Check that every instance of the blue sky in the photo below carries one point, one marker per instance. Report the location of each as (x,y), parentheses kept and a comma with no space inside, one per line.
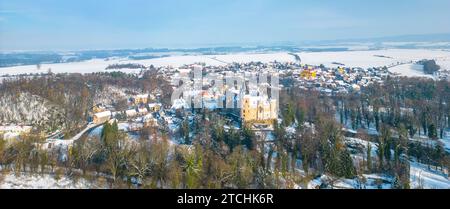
(94,24)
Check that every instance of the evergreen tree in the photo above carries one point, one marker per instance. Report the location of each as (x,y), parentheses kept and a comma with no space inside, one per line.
(385,142)
(377,120)
(305,163)
(369,157)
(380,153)
(397,154)
(439,155)
(289,115)
(300,116)
(248,139)
(396,183)
(106,132)
(232,138)
(348,170)
(218,133)
(185,131)
(2,149)
(432,131)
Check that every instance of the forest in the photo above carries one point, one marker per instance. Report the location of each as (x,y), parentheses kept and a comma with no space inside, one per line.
(388,114)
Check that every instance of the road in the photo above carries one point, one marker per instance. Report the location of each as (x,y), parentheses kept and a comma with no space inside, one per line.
(88,128)
(214,58)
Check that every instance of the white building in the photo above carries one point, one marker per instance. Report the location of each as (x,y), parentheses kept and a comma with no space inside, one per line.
(131,113)
(102,117)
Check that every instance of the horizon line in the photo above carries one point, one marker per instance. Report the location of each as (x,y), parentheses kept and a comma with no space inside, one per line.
(241,44)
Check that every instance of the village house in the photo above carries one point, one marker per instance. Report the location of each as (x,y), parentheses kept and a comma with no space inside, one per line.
(154,107)
(141,99)
(98,108)
(142,110)
(102,117)
(150,121)
(131,113)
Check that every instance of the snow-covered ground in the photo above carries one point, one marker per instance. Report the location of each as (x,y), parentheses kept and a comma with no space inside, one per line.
(354,142)
(245,58)
(372,58)
(410,70)
(371,181)
(446,141)
(426,141)
(444,63)
(29,109)
(364,59)
(422,177)
(24,181)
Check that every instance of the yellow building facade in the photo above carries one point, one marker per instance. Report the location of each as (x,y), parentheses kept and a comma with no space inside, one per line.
(258,110)
(141,99)
(308,74)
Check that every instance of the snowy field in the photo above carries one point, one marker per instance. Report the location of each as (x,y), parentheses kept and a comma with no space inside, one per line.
(95,65)
(410,70)
(375,58)
(444,63)
(364,59)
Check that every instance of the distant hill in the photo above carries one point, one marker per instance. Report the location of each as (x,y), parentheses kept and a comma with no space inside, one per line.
(8,59)
(444,37)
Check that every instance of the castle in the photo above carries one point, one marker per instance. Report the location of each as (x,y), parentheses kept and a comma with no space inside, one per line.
(258,109)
